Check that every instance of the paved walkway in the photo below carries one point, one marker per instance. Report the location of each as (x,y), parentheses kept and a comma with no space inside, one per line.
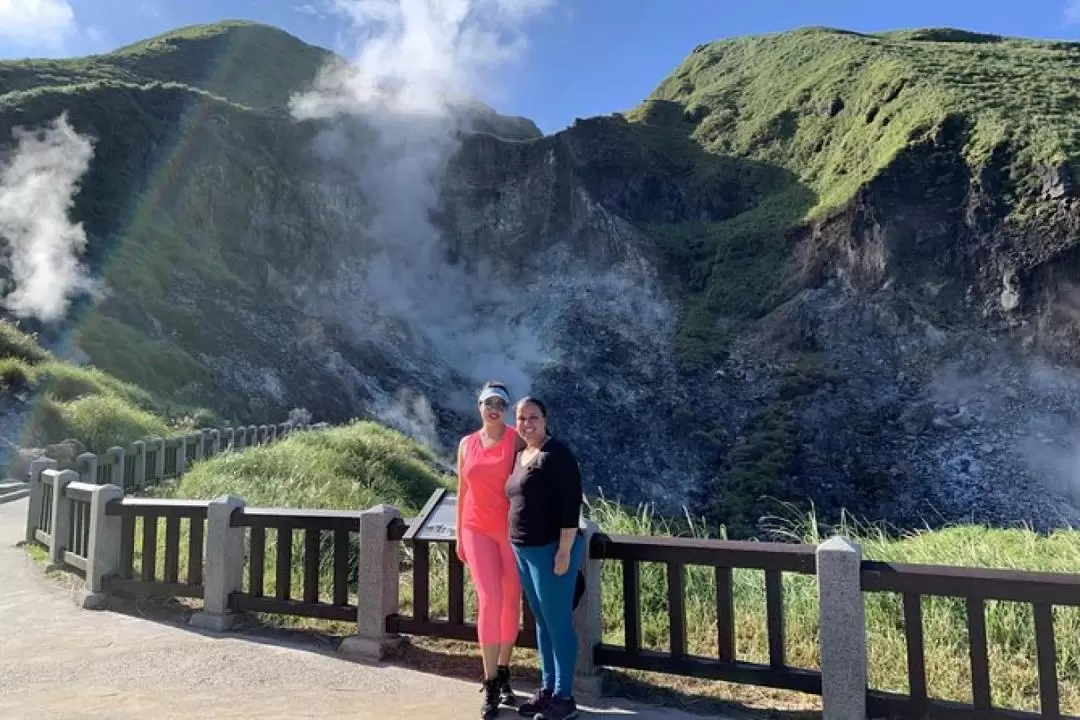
(58,661)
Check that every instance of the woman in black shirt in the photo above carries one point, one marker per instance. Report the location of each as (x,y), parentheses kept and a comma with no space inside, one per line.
(545,511)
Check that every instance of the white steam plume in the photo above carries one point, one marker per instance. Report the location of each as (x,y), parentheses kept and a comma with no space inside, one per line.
(418,67)
(38,182)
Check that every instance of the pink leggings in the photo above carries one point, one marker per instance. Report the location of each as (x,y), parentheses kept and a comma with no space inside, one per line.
(493,569)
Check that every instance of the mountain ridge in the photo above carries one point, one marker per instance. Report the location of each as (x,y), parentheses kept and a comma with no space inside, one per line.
(752,284)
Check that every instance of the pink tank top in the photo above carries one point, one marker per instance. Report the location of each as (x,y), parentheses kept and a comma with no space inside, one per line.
(486,507)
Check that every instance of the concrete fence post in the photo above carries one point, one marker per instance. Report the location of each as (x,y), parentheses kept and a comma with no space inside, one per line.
(138,449)
(103,554)
(159,458)
(61,515)
(215,441)
(181,455)
(843,630)
(117,470)
(378,567)
(200,445)
(37,494)
(224,572)
(87,466)
(588,620)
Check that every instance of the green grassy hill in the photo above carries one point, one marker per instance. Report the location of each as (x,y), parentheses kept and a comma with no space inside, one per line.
(835,111)
(250,64)
(58,400)
(836,107)
(352,467)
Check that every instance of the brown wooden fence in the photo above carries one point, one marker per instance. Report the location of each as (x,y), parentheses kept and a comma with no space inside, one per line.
(976,587)
(456,626)
(149,580)
(322,545)
(329,540)
(723,556)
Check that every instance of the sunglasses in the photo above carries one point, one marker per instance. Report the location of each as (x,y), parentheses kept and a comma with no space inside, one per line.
(495,404)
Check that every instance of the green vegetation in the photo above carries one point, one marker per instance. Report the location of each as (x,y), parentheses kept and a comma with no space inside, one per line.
(835,109)
(83,403)
(1010,627)
(349,467)
(254,65)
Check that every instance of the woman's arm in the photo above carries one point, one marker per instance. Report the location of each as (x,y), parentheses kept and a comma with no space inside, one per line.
(461,489)
(568,484)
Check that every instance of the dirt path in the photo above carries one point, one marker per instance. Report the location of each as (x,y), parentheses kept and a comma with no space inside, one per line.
(59,661)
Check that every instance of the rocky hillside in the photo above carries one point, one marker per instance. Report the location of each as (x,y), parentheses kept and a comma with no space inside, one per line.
(816,267)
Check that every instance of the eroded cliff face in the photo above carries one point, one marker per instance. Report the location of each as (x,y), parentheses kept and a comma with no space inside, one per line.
(923,367)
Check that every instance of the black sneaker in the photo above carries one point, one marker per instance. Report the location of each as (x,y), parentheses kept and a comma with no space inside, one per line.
(537,703)
(559,708)
(490,706)
(506,693)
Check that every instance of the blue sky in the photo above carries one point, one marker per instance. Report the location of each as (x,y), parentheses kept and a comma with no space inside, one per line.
(584,57)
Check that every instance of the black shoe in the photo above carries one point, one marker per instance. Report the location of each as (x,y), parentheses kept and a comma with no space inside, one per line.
(559,708)
(506,693)
(537,703)
(490,707)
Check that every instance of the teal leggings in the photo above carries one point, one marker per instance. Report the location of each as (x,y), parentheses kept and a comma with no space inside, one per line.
(551,598)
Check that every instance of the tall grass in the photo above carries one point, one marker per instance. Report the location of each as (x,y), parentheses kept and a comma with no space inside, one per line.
(80,402)
(1009,626)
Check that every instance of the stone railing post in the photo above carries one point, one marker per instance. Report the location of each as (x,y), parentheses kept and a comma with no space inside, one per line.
(37,494)
(87,466)
(138,449)
(181,455)
(61,516)
(159,458)
(103,554)
(843,630)
(224,572)
(116,472)
(215,441)
(588,620)
(378,566)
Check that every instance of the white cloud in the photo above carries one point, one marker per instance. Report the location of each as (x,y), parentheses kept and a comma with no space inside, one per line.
(1072,12)
(309,9)
(96,35)
(37,23)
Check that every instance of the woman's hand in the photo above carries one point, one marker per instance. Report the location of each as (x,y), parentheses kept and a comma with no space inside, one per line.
(562,561)
(461,553)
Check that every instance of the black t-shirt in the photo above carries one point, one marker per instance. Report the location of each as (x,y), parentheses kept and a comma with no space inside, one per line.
(545,495)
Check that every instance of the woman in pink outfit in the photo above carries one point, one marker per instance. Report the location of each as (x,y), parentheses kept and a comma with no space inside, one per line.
(484,461)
